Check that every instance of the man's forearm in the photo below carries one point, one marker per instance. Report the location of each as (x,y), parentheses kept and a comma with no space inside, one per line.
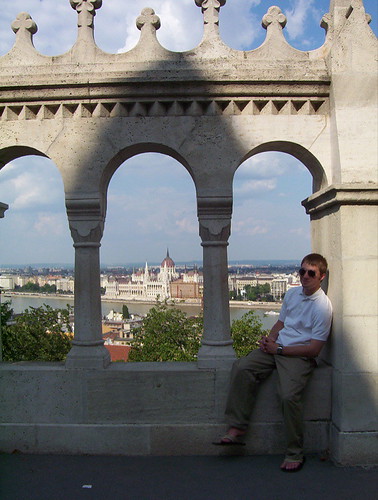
(273,334)
(310,350)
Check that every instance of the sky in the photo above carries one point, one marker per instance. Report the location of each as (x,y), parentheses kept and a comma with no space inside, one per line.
(159,212)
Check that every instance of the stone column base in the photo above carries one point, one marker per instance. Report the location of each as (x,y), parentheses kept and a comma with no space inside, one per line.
(96,357)
(354,448)
(216,356)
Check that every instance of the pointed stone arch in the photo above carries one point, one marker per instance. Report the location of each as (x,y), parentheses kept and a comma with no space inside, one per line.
(302,154)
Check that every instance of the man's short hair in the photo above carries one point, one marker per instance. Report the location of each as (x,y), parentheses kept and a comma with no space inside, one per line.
(315,259)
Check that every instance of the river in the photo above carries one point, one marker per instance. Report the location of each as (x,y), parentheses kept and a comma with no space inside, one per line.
(21,302)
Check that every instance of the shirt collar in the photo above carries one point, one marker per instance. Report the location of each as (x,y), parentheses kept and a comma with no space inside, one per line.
(313,296)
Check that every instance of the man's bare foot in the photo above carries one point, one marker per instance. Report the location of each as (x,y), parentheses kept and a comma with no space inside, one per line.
(234,431)
(232,437)
(292,466)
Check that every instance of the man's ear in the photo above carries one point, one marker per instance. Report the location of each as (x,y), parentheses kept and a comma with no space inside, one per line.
(323,276)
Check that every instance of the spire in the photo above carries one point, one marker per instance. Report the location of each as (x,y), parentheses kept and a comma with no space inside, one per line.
(210,10)
(24,27)
(274,22)
(148,22)
(86,10)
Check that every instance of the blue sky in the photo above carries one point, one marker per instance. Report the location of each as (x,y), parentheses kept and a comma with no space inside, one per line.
(160,210)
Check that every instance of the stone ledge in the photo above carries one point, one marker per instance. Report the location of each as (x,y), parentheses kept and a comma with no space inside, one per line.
(156,440)
(142,408)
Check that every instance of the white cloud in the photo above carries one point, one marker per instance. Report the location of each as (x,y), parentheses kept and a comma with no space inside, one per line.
(181,24)
(240,24)
(262,166)
(29,183)
(187,225)
(51,225)
(297,17)
(249,226)
(252,186)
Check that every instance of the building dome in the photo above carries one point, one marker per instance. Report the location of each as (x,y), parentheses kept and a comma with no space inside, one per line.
(168,262)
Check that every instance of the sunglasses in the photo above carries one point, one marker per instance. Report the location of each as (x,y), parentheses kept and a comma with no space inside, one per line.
(310,272)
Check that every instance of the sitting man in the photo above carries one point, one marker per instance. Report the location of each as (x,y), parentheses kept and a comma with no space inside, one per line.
(291,347)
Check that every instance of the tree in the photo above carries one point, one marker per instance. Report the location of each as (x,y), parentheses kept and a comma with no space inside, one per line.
(38,334)
(257,292)
(246,333)
(6,313)
(167,334)
(125,312)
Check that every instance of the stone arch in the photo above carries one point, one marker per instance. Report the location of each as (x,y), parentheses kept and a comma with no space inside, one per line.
(139,169)
(308,159)
(36,201)
(134,150)
(11,153)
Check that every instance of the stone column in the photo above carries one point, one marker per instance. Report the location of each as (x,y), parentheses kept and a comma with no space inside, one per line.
(3,208)
(86,224)
(214,215)
(344,221)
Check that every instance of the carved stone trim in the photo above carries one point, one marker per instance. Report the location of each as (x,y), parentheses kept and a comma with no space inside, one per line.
(213,243)
(217,342)
(336,195)
(86,244)
(161,107)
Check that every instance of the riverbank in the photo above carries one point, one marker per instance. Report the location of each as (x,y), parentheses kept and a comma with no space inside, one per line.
(274,306)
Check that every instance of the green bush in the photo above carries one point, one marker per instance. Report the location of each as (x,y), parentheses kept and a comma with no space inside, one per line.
(38,334)
(246,333)
(167,334)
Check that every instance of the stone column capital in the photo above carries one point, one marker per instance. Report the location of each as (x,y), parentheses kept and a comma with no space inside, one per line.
(86,220)
(214,215)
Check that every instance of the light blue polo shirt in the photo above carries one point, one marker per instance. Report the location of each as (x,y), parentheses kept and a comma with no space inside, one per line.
(305,317)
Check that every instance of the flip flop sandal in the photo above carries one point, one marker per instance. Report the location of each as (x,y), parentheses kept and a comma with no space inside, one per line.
(297,469)
(229,440)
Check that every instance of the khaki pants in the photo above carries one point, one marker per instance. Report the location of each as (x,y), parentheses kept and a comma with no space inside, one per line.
(293,375)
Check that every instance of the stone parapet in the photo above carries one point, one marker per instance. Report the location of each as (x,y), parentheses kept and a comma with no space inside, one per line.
(142,409)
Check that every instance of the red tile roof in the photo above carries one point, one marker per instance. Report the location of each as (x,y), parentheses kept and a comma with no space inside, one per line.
(118,352)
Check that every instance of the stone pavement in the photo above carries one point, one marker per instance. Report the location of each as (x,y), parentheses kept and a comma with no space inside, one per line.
(55,477)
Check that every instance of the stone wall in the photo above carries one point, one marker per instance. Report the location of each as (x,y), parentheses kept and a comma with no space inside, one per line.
(143,409)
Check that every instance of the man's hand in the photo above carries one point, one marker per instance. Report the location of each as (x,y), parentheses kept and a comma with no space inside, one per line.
(268,345)
(311,350)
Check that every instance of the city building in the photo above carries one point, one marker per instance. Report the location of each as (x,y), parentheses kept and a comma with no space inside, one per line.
(143,284)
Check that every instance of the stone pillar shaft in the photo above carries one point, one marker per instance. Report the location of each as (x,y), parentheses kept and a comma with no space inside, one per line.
(215,218)
(86,224)
(87,295)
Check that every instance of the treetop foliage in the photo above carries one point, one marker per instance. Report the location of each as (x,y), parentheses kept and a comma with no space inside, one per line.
(38,334)
(167,334)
